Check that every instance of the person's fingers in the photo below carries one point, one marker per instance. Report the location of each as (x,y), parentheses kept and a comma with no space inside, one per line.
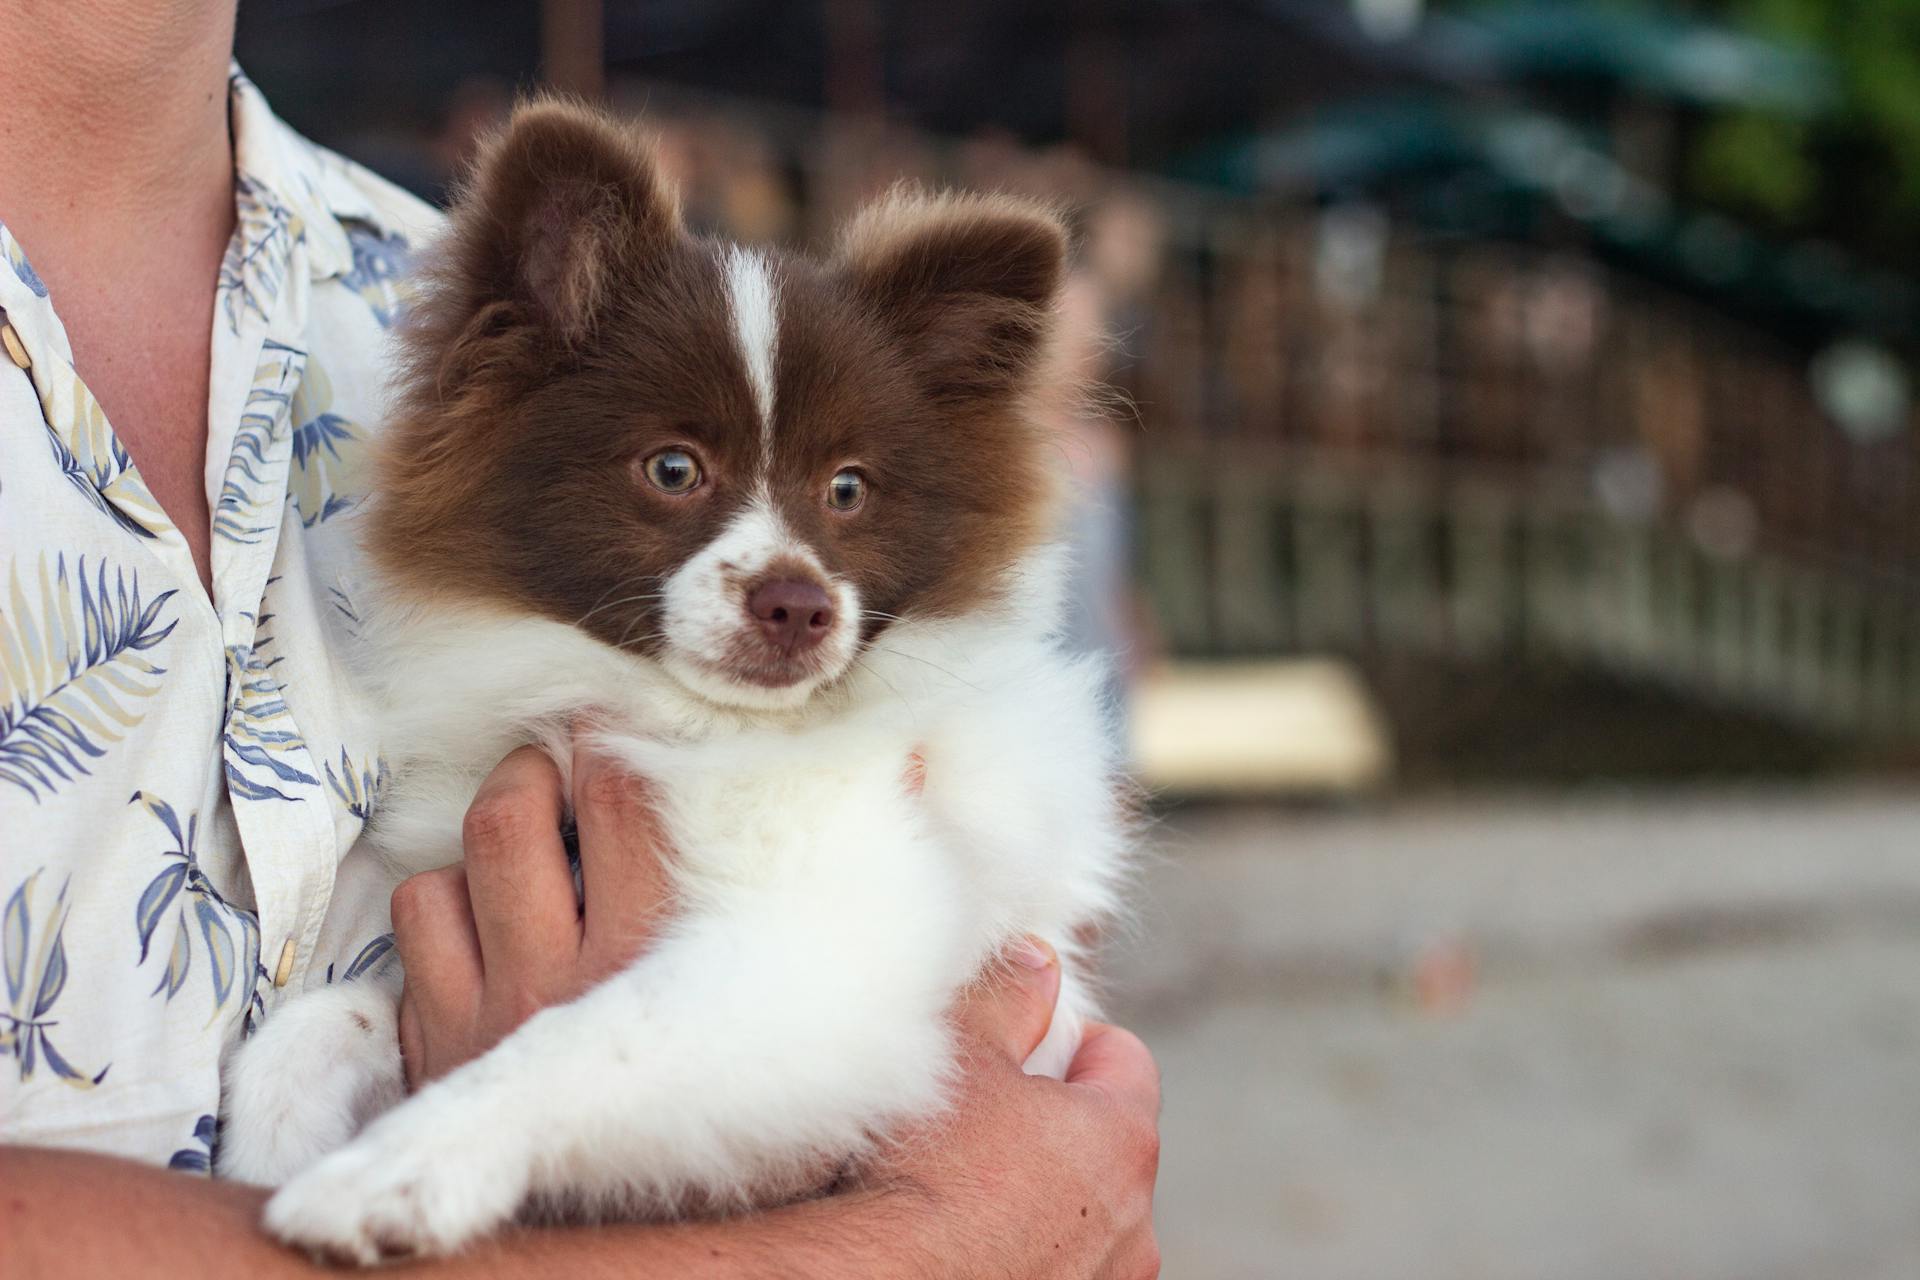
(433,931)
(1012,1007)
(1115,1062)
(517,872)
(623,856)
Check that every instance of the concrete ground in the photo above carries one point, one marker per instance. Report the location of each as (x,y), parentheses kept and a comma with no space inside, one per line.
(1646,1036)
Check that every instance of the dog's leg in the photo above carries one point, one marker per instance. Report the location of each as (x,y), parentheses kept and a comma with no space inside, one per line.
(727,1062)
(309,1079)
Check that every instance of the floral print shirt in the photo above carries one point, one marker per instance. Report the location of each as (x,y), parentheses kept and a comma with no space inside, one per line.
(180,778)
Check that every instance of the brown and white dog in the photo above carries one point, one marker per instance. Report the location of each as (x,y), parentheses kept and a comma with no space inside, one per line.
(776,523)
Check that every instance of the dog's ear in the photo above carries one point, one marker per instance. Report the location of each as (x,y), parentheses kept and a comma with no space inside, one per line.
(969,283)
(562,206)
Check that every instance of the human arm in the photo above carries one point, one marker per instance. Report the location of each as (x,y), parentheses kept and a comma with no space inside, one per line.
(1025,1177)
(993,1191)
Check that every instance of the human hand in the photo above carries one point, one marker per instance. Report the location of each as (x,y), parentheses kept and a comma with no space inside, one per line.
(1029,1176)
(488,943)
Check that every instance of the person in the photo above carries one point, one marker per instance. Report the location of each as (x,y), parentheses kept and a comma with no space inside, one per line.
(183,445)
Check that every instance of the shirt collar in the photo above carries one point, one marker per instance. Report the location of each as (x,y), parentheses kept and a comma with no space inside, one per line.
(311,183)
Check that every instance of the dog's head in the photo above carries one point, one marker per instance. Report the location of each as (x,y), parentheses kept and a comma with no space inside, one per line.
(744,465)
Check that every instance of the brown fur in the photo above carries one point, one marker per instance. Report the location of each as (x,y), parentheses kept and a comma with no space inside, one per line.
(572,327)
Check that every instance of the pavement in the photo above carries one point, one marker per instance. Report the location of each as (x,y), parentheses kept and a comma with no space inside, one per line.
(1658,1035)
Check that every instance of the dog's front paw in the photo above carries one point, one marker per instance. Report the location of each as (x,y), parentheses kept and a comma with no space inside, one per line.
(396,1192)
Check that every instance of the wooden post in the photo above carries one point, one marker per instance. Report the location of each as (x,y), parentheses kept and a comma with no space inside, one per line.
(1331,598)
(1249,612)
(573,47)
(1480,604)
(1406,568)
(856,74)
(1173,552)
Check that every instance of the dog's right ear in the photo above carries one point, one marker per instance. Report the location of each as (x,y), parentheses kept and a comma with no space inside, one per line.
(562,206)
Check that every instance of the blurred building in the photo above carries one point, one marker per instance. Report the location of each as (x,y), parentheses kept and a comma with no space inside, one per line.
(1434,362)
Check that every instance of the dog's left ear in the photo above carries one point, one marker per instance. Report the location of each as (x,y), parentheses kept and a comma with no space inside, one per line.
(969,284)
(563,206)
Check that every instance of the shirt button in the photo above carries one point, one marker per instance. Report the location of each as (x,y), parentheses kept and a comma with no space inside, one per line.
(284,969)
(16,351)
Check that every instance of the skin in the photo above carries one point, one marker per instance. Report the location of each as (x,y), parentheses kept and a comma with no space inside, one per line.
(116,171)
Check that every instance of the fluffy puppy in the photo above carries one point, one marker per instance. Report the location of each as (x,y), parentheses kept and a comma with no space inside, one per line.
(776,523)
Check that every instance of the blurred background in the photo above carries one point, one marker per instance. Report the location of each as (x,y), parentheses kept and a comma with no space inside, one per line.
(1508,552)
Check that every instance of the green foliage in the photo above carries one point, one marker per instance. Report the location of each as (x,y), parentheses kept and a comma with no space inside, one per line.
(1855,174)
(1752,160)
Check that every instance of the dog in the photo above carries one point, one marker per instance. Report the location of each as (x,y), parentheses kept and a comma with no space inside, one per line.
(777,524)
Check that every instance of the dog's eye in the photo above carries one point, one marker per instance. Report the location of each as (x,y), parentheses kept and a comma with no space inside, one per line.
(847,490)
(673,471)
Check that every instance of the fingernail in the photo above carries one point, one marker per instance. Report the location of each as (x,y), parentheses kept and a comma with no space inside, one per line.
(1032,953)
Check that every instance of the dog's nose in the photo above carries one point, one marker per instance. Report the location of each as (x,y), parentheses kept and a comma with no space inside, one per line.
(794,615)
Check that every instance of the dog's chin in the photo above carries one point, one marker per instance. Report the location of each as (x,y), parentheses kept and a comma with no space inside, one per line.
(758,689)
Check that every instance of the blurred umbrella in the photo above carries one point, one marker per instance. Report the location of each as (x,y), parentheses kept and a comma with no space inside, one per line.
(1674,57)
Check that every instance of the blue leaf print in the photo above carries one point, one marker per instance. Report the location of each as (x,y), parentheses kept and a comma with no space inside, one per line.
(358,791)
(369,957)
(54,980)
(154,902)
(183,887)
(162,810)
(263,748)
(380,265)
(329,452)
(174,976)
(17,259)
(255,265)
(18,925)
(72,671)
(88,484)
(249,507)
(213,931)
(90,455)
(328,432)
(26,1030)
(59,1065)
(267,760)
(190,1160)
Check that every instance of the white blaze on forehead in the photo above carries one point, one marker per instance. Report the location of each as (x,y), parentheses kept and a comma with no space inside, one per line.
(755,328)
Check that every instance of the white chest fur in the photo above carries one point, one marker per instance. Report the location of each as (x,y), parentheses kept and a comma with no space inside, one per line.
(827,915)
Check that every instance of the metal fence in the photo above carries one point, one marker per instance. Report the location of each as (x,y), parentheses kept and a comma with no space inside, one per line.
(1359,440)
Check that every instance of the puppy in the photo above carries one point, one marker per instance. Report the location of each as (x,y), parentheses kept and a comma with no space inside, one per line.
(775,524)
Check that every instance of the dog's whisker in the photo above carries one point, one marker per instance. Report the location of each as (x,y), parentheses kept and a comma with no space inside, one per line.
(603,603)
(914,657)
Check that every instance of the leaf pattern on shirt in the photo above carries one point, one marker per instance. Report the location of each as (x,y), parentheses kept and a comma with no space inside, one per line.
(16,257)
(248,511)
(34,962)
(99,698)
(254,269)
(328,452)
(380,271)
(370,958)
(264,746)
(198,1158)
(233,967)
(359,789)
(90,455)
(73,670)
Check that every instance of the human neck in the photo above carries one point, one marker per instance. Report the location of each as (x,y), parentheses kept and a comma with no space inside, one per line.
(116,116)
